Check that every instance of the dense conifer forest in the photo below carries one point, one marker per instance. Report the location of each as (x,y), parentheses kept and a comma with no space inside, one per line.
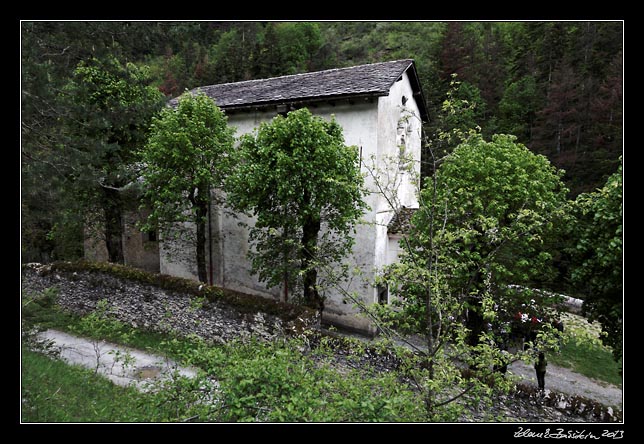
(557,86)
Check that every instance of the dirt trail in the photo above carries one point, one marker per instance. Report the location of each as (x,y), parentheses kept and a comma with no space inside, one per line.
(140,367)
(566,381)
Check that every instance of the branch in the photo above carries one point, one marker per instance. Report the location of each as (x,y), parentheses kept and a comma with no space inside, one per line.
(365,310)
(54,166)
(125,187)
(454,398)
(51,54)
(392,205)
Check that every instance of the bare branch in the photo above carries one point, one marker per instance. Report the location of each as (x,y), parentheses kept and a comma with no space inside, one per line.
(51,54)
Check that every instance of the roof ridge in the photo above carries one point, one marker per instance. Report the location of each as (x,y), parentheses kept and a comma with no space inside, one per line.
(241,82)
(366,80)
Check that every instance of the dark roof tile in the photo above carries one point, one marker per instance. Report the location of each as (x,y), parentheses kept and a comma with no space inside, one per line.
(364,80)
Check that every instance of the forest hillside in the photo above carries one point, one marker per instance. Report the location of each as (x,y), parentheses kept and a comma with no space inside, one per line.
(557,86)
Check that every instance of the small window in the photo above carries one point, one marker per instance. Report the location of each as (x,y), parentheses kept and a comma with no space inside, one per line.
(383,294)
(150,236)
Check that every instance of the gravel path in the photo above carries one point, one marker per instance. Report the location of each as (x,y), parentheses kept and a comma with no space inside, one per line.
(141,368)
(566,381)
(559,379)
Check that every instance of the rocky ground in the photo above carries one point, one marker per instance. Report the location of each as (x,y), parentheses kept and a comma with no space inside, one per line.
(570,398)
(148,307)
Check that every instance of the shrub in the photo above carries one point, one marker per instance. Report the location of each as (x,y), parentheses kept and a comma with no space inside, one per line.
(275,382)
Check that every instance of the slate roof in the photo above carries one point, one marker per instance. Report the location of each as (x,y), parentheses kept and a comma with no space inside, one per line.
(358,81)
(401,222)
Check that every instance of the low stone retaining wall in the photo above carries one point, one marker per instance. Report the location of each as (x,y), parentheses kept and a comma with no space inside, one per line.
(142,304)
(146,305)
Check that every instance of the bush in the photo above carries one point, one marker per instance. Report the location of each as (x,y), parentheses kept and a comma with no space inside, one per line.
(275,382)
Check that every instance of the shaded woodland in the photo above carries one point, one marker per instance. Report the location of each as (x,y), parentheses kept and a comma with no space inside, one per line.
(557,86)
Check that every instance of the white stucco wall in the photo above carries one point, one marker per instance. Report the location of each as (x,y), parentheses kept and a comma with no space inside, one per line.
(372,125)
(400,180)
(177,257)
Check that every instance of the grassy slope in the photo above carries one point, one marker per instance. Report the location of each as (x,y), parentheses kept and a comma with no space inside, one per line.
(583,352)
(53,391)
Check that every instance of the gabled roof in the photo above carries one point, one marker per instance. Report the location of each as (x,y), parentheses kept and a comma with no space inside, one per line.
(370,80)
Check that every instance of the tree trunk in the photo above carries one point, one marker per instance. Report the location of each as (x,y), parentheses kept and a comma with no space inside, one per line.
(201,207)
(310,231)
(474,323)
(113,212)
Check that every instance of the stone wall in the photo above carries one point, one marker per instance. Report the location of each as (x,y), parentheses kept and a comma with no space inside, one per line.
(148,306)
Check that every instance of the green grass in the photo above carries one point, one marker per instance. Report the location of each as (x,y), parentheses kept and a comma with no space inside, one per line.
(589,360)
(583,352)
(53,391)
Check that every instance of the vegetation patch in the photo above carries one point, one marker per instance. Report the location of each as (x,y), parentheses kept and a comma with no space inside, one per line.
(583,352)
(312,377)
(53,391)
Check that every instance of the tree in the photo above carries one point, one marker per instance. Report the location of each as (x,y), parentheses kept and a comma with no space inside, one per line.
(235,53)
(518,108)
(465,278)
(458,51)
(303,184)
(558,122)
(597,269)
(49,57)
(184,159)
(289,48)
(498,201)
(460,114)
(108,107)
(607,126)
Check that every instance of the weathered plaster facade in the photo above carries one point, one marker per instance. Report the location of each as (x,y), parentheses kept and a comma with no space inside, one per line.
(384,122)
(385,128)
(140,249)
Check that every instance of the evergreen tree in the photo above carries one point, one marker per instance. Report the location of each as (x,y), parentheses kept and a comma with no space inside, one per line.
(109,107)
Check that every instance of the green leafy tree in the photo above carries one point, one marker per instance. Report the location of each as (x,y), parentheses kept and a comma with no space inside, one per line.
(303,184)
(498,201)
(185,158)
(299,44)
(457,119)
(108,110)
(465,275)
(235,53)
(597,270)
